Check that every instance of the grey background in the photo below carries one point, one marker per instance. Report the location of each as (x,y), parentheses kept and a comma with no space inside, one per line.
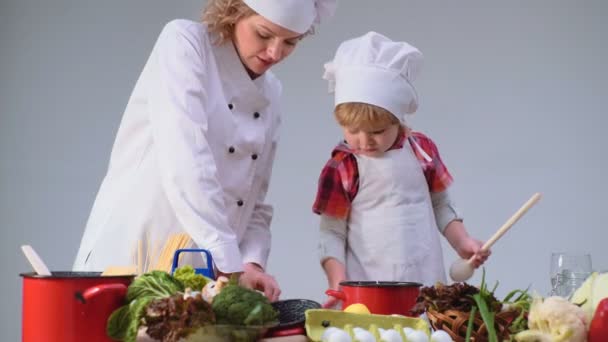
(513,92)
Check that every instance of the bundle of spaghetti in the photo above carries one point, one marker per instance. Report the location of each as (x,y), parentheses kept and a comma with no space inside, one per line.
(173,243)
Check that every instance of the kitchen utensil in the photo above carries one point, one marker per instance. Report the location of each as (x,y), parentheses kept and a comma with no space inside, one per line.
(207,272)
(37,264)
(70,306)
(291,316)
(380,297)
(462,270)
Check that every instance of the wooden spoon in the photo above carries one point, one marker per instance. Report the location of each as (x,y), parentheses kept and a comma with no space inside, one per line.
(462,270)
(37,264)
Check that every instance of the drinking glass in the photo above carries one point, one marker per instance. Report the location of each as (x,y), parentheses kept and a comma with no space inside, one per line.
(568,272)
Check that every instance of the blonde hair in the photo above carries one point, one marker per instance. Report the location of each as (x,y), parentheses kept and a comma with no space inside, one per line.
(364,116)
(222,15)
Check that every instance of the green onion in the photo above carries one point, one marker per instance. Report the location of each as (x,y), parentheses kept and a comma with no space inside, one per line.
(470,324)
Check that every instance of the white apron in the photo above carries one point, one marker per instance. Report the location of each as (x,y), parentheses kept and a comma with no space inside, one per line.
(392,234)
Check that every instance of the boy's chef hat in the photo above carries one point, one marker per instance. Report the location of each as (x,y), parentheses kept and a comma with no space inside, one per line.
(295,15)
(376,70)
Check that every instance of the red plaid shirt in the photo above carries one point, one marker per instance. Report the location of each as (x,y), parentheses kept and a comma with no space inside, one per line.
(339,180)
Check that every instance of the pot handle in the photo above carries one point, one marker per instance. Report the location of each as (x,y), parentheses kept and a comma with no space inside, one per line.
(336,294)
(94,291)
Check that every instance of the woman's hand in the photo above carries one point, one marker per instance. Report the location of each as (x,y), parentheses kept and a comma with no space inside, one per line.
(254,277)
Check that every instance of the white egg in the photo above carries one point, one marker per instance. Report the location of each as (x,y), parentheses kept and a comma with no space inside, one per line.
(327,332)
(390,335)
(363,335)
(407,331)
(339,336)
(441,336)
(417,336)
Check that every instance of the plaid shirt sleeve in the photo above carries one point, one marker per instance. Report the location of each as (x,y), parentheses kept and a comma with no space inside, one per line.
(437,175)
(338,185)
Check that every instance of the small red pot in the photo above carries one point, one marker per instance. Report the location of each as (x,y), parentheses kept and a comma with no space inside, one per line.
(70,306)
(380,297)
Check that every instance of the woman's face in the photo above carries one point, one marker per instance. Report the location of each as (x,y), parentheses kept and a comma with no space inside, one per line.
(371,144)
(262,44)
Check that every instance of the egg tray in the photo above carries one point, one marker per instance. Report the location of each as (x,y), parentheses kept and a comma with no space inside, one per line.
(317,320)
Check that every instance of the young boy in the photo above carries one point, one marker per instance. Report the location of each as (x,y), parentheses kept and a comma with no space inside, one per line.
(383,196)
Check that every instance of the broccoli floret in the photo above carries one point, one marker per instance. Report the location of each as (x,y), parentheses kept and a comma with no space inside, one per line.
(241,306)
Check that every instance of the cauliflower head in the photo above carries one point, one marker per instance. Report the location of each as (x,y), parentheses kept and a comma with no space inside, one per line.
(557,317)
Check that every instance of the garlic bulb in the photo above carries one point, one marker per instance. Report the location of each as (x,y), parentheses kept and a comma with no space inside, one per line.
(213,288)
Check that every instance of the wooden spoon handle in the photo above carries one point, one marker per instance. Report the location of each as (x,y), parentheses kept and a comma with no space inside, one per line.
(511,221)
(37,264)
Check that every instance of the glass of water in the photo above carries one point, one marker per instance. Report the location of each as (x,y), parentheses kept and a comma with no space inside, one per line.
(568,272)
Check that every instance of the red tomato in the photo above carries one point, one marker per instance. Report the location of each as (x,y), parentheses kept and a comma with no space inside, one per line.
(598,331)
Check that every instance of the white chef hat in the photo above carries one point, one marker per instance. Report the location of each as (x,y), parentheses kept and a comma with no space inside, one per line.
(376,70)
(295,15)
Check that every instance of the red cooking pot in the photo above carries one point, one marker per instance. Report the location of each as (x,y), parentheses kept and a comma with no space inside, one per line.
(70,306)
(380,297)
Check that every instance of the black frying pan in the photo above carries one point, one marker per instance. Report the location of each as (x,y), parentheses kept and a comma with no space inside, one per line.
(291,313)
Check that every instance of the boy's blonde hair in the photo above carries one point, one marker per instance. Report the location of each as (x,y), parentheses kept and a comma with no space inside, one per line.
(222,15)
(364,116)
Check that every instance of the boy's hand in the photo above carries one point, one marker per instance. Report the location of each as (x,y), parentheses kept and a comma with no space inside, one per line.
(464,245)
(332,303)
(469,247)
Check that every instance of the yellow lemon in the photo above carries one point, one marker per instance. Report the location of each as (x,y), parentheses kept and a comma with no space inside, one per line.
(357,308)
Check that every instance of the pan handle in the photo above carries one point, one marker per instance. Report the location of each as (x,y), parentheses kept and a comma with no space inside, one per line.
(119,289)
(336,294)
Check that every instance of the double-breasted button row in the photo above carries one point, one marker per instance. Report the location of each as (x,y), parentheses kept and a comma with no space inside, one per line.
(256,115)
(231,149)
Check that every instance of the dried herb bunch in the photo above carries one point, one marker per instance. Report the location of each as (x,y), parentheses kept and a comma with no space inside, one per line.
(458,296)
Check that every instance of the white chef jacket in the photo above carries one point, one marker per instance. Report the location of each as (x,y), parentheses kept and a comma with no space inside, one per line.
(391,233)
(193,154)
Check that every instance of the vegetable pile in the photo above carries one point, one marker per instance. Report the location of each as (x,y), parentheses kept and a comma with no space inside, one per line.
(480,301)
(583,318)
(171,308)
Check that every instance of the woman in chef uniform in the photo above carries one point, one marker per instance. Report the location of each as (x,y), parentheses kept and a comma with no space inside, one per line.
(383,196)
(196,144)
